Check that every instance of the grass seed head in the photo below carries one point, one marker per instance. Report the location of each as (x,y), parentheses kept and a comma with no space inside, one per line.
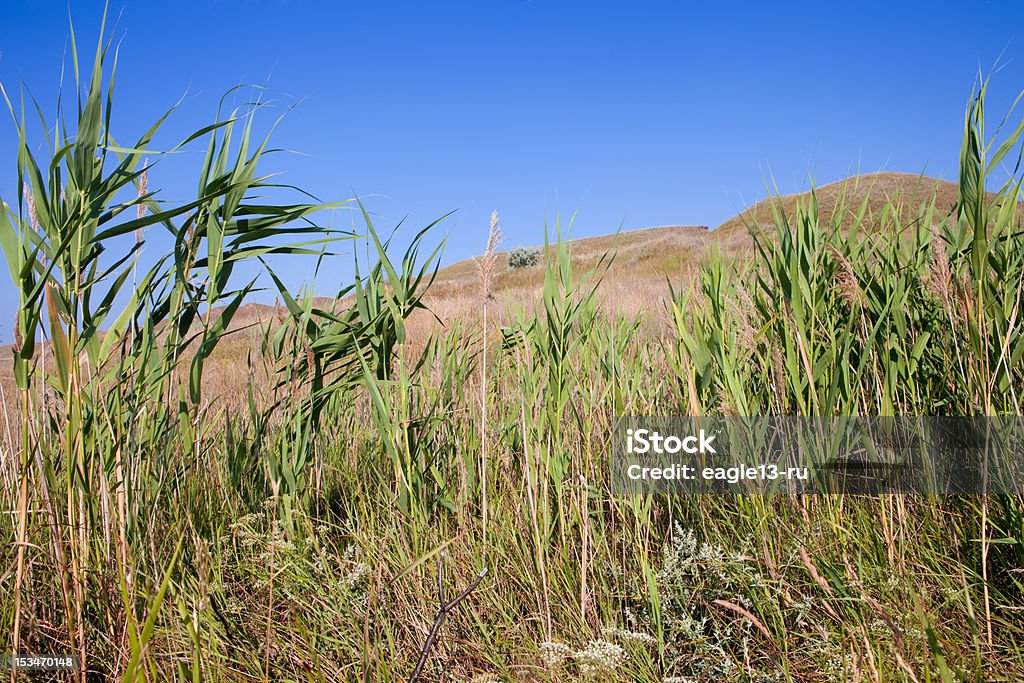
(486,264)
(846,280)
(30,202)
(19,341)
(143,189)
(141,208)
(746,333)
(937,280)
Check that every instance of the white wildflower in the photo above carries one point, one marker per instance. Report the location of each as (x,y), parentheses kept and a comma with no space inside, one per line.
(623,635)
(554,654)
(357,574)
(599,659)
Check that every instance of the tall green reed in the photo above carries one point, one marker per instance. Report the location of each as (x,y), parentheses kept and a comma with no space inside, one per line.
(122,421)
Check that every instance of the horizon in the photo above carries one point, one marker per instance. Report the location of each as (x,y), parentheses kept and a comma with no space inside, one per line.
(683,118)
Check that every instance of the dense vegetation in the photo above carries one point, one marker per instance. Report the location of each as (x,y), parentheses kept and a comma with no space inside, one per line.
(521,257)
(164,533)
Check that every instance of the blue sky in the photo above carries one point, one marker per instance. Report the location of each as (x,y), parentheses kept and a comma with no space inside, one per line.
(638,113)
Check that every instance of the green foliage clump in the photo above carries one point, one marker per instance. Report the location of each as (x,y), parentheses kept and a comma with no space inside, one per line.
(523,257)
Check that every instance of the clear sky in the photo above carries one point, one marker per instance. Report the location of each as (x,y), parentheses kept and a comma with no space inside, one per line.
(633,113)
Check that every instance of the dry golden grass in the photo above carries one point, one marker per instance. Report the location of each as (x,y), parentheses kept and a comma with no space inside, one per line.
(906,190)
(639,254)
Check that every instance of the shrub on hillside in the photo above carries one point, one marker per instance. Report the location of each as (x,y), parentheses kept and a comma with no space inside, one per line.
(521,257)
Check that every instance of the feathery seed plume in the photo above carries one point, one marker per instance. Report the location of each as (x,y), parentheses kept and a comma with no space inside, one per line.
(19,341)
(30,201)
(938,280)
(486,263)
(746,334)
(846,280)
(143,189)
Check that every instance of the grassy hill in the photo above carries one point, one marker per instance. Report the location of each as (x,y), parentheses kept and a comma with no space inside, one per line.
(672,251)
(905,190)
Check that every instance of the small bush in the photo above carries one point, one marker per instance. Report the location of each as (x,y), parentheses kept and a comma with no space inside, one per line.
(521,257)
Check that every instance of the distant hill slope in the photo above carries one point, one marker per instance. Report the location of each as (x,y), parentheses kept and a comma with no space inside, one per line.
(653,253)
(642,254)
(906,190)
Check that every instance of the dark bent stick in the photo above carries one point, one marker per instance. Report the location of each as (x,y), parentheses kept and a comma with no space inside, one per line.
(442,613)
